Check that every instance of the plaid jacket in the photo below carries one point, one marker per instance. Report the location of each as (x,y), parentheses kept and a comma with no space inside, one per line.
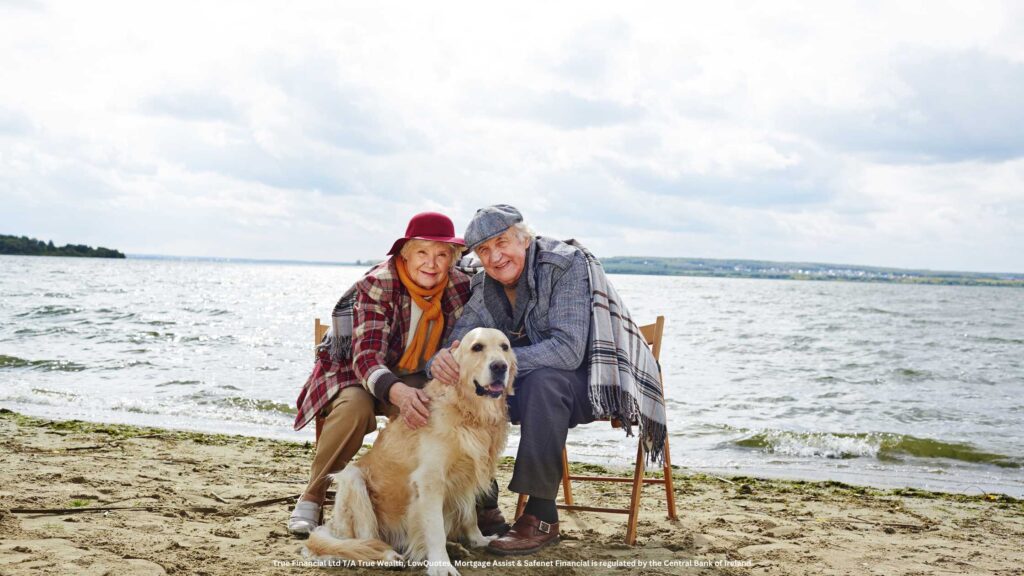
(380,323)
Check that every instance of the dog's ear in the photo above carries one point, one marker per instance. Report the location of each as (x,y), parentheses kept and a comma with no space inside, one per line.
(513,367)
(461,350)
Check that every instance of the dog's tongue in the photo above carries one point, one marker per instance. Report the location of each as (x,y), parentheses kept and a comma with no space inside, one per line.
(494,389)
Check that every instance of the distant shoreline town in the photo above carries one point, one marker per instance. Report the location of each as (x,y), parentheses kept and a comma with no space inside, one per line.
(719,268)
(644,265)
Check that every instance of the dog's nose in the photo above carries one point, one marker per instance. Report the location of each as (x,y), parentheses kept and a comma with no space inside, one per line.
(498,367)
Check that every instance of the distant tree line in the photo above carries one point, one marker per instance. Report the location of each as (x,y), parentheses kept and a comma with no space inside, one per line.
(23,245)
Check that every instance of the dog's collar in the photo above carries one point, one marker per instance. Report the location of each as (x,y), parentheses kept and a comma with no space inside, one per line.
(481,391)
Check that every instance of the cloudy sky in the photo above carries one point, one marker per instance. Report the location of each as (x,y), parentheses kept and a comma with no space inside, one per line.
(885,133)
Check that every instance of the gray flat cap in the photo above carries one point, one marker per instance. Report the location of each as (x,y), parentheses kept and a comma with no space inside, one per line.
(489,222)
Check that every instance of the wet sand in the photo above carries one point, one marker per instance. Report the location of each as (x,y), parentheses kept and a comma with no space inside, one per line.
(190,503)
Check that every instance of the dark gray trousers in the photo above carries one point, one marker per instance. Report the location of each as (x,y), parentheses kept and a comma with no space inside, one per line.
(546,404)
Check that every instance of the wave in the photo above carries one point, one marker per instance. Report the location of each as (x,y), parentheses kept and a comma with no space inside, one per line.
(204,339)
(880,445)
(124,364)
(179,383)
(55,393)
(873,310)
(48,310)
(207,311)
(44,331)
(138,407)
(998,340)
(912,374)
(258,405)
(242,403)
(51,365)
(115,314)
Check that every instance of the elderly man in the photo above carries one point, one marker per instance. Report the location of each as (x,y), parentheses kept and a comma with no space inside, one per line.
(536,290)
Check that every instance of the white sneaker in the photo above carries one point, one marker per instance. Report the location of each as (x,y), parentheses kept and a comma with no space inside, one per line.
(305,517)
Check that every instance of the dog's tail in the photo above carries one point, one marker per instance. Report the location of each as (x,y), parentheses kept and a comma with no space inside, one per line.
(323,544)
(352,532)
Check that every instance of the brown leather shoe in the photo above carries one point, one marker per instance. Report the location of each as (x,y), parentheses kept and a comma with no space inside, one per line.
(491,522)
(528,535)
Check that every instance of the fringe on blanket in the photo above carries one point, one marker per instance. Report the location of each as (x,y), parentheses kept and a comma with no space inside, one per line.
(625,379)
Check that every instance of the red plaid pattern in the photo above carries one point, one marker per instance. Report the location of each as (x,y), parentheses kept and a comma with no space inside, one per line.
(380,327)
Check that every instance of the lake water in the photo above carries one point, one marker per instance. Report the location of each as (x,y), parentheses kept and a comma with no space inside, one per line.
(885,385)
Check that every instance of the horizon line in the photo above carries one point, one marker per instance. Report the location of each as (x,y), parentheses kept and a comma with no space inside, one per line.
(360,262)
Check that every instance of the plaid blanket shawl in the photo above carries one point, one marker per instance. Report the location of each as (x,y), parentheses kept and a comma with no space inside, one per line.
(334,359)
(625,379)
(338,340)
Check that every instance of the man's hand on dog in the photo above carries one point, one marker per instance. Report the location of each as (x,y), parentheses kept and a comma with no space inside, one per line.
(444,367)
(413,404)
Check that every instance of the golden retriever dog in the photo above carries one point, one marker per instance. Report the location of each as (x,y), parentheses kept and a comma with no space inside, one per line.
(415,489)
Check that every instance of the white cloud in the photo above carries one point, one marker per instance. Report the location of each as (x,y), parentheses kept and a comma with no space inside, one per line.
(868,133)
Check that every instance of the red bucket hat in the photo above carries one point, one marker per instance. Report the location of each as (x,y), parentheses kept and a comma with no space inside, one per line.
(428,226)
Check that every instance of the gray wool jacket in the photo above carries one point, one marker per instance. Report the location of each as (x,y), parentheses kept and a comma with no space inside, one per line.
(556,315)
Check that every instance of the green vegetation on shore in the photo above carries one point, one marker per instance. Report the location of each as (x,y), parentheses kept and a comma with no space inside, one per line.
(710,267)
(25,246)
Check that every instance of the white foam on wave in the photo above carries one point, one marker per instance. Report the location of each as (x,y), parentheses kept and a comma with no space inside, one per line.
(821,445)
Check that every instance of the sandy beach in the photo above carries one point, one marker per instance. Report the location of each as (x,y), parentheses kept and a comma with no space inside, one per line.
(187,503)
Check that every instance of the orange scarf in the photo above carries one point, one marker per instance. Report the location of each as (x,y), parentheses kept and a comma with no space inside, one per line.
(420,347)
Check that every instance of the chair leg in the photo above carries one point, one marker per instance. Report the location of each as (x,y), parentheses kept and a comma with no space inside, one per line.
(520,506)
(670,495)
(634,500)
(566,484)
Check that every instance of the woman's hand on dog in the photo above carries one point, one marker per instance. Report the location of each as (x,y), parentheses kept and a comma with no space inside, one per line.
(444,366)
(412,404)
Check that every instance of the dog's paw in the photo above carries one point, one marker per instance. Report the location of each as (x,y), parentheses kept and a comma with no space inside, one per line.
(392,556)
(481,540)
(442,570)
(456,551)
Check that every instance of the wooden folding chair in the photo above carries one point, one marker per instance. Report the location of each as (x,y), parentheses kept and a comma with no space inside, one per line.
(318,334)
(653,334)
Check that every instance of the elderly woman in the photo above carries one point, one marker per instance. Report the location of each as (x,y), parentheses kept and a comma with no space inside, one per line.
(403,309)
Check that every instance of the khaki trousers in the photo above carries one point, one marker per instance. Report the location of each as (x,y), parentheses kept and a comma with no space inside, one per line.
(353,415)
